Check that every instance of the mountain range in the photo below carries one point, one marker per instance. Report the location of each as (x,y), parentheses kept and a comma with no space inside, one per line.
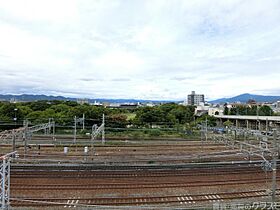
(243,98)
(31,97)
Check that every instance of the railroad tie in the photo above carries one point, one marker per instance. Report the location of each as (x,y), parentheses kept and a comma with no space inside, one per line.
(68,201)
(191,199)
(179,199)
(212,199)
(216,197)
(72,204)
(219,197)
(184,200)
(263,193)
(77,201)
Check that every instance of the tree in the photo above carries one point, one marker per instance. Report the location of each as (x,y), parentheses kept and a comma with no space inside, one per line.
(211,121)
(227,123)
(149,116)
(265,111)
(117,121)
(233,111)
(39,105)
(8,112)
(226,110)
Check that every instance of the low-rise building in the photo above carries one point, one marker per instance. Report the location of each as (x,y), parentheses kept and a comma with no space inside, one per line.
(82,101)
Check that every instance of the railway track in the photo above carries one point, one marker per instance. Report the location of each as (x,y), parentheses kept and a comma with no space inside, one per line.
(114,174)
(64,179)
(123,167)
(98,171)
(183,199)
(133,185)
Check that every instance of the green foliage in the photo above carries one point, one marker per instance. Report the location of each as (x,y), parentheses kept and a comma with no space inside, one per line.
(211,121)
(228,123)
(251,110)
(166,115)
(155,132)
(226,110)
(39,105)
(117,121)
(265,111)
(149,115)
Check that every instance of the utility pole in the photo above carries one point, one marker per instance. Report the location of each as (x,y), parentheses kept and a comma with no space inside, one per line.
(75,129)
(25,137)
(15,118)
(206,130)
(274,167)
(266,127)
(83,121)
(79,120)
(14,140)
(103,130)
(53,133)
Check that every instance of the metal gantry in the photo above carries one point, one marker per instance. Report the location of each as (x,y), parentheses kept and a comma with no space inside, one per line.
(39,127)
(76,121)
(5,180)
(9,134)
(25,133)
(268,153)
(95,130)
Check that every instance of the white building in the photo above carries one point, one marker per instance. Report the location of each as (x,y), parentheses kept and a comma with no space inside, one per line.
(204,108)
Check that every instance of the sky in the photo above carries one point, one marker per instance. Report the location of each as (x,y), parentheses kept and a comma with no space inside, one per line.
(153,49)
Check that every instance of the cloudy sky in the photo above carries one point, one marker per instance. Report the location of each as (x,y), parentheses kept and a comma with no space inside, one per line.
(152,49)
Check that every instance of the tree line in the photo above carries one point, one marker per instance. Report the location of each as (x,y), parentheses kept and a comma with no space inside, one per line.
(253,110)
(63,113)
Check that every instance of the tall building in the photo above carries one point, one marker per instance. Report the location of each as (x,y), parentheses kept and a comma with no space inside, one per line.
(195,99)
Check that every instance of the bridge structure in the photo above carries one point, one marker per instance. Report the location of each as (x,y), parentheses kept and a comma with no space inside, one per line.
(261,123)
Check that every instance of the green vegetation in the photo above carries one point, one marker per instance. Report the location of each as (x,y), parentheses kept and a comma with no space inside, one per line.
(251,110)
(166,120)
(163,120)
(228,123)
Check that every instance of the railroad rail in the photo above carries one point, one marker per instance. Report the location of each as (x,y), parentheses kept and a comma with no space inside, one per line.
(181,199)
(92,166)
(133,173)
(131,185)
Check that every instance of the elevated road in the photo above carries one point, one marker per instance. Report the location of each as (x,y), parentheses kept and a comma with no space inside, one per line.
(248,117)
(263,123)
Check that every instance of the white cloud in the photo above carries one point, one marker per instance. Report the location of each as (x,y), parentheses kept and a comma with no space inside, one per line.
(121,62)
(156,49)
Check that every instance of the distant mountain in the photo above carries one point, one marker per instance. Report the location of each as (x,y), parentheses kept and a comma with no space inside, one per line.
(243,98)
(30,97)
